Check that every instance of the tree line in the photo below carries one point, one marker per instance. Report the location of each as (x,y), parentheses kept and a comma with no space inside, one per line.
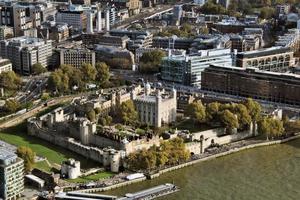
(235,115)
(170,152)
(66,77)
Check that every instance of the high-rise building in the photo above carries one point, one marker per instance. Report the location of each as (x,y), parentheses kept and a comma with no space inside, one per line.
(187,69)
(25,52)
(11,175)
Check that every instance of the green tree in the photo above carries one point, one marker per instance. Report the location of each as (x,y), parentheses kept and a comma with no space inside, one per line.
(229,120)
(38,68)
(150,61)
(45,96)
(243,116)
(91,115)
(103,74)
(89,72)
(11,105)
(196,111)
(271,127)
(267,12)
(10,81)
(128,113)
(254,109)
(28,156)
(212,111)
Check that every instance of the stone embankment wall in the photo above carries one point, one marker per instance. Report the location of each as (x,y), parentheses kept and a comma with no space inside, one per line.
(93,190)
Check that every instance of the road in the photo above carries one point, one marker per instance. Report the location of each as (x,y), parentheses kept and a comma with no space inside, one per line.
(134,77)
(20,118)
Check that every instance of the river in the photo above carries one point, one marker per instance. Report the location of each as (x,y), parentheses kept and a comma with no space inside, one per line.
(265,173)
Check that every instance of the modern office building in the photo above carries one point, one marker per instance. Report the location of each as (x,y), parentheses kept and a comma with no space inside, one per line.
(6,32)
(252,82)
(187,69)
(25,52)
(290,39)
(11,175)
(77,57)
(277,59)
(5,65)
(74,17)
(23,16)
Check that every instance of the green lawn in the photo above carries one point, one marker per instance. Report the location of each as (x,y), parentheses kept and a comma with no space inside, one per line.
(43,166)
(94,177)
(191,126)
(18,136)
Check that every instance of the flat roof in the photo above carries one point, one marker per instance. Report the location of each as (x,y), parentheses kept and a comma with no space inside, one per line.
(263,52)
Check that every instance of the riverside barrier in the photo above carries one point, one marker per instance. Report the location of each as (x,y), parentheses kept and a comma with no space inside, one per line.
(155,175)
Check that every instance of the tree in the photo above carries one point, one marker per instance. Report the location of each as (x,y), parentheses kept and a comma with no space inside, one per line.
(267,12)
(28,156)
(196,111)
(270,127)
(128,113)
(11,105)
(9,80)
(254,109)
(91,115)
(243,116)
(89,72)
(204,30)
(150,61)
(212,111)
(38,68)
(103,74)
(229,120)
(45,96)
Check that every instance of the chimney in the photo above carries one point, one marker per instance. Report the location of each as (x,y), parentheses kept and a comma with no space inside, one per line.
(107,23)
(89,24)
(99,21)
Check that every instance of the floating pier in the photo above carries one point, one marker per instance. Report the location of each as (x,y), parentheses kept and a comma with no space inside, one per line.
(151,193)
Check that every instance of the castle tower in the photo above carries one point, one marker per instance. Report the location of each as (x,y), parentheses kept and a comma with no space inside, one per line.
(158,109)
(147,89)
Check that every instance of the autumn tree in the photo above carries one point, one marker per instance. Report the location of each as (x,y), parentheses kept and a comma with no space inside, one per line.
(10,80)
(103,74)
(244,118)
(38,68)
(150,61)
(11,105)
(254,109)
(212,111)
(89,72)
(28,156)
(270,127)
(229,120)
(128,113)
(196,111)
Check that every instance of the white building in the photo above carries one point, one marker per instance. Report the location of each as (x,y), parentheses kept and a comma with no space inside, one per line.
(26,51)
(156,107)
(11,175)
(187,69)
(70,169)
(5,65)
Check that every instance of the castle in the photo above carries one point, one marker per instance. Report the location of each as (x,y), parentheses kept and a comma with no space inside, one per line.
(69,128)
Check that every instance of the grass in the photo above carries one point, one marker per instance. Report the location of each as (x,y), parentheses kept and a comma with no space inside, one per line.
(93,177)
(191,126)
(43,166)
(17,136)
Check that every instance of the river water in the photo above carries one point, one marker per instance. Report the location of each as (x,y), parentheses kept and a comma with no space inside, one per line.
(265,173)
